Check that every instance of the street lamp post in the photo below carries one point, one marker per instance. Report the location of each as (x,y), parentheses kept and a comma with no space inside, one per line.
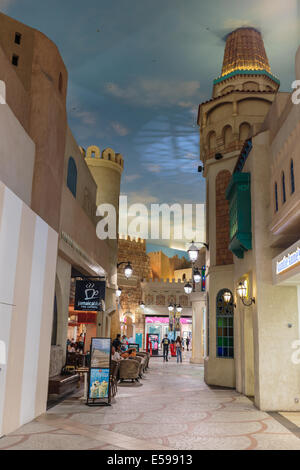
(193,253)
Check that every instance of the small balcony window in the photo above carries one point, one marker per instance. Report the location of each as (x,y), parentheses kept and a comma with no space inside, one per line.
(15,60)
(18,37)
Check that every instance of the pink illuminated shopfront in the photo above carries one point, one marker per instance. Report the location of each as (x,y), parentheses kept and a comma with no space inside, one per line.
(160,325)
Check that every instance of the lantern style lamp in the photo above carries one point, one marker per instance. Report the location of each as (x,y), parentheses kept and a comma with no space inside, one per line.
(142,305)
(179,308)
(242,291)
(188,288)
(227,297)
(197,276)
(127,270)
(171,308)
(118,292)
(193,252)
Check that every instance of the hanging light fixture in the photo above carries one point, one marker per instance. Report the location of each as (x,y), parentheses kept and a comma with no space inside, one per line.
(127,270)
(193,252)
(171,308)
(179,308)
(188,288)
(118,292)
(142,305)
(197,276)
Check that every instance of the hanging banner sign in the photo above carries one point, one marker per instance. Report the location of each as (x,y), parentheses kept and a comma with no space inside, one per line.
(89,295)
(177,321)
(171,321)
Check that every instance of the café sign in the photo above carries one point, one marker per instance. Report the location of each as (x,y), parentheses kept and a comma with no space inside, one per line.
(288,261)
(89,295)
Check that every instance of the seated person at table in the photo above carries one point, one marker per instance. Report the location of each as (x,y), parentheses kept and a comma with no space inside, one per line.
(129,353)
(115,355)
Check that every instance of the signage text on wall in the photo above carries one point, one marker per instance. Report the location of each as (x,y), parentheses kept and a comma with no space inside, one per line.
(288,261)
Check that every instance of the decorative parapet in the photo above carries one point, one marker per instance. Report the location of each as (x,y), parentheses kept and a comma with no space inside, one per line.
(108,157)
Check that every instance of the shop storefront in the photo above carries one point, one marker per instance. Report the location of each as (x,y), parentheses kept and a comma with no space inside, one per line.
(82,325)
(159,325)
(286,270)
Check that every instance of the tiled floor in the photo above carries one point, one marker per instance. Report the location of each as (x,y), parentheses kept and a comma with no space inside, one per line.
(174,409)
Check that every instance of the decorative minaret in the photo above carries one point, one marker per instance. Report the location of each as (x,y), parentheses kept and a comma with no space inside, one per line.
(242,96)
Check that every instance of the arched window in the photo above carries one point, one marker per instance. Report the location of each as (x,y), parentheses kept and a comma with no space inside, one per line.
(72,176)
(283,187)
(224,328)
(276,197)
(292,177)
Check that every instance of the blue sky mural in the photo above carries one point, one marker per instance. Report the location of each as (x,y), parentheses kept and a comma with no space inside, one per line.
(138,70)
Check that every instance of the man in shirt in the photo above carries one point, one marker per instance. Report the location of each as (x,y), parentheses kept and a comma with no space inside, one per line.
(165,344)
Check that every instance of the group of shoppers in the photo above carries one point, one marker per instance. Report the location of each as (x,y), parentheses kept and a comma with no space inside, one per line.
(76,346)
(120,350)
(179,345)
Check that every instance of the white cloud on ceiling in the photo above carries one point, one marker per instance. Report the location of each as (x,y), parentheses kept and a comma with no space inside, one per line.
(157,92)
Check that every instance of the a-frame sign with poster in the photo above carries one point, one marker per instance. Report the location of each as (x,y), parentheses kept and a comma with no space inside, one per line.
(99,393)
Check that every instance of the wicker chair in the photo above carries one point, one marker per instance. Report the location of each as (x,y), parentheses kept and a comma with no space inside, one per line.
(146,356)
(141,362)
(129,370)
(114,377)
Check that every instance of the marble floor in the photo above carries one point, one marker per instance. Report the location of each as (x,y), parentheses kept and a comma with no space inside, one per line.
(173,409)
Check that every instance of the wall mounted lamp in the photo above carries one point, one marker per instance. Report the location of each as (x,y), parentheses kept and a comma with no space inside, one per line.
(242,291)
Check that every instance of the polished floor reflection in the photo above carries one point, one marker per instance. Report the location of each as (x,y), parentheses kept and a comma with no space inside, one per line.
(173,409)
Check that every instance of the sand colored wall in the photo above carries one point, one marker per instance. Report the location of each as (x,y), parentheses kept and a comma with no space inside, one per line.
(270,353)
(40,105)
(86,191)
(28,248)
(17,154)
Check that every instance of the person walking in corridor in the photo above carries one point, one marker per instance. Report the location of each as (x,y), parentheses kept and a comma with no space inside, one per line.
(165,344)
(179,349)
(187,343)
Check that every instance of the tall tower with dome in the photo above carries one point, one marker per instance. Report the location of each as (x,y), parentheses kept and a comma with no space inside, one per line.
(241,98)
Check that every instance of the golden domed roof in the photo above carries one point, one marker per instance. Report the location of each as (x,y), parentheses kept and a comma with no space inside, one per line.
(245,50)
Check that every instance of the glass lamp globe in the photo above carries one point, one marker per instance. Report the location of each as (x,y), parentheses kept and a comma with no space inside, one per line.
(128,270)
(241,290)
(193,252)
(118,292)
(171,308)
(188,288)
(197,276)
(227,297)
(142,305)
(179,308)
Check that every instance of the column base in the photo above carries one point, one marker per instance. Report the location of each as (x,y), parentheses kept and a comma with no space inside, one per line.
(197,360)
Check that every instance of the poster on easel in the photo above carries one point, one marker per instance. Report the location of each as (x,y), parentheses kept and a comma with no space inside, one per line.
(99,373)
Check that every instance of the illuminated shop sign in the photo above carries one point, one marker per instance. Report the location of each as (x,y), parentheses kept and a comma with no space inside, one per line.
(288,261)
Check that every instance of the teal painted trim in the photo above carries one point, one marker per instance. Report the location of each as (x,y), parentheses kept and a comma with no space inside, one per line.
(237,178)
(246,72)
(238,193)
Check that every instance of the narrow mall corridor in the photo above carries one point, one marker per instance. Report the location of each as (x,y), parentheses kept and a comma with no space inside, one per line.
(172,409)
